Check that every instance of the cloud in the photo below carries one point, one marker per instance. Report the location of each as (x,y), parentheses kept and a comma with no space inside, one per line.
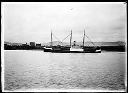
(34,22)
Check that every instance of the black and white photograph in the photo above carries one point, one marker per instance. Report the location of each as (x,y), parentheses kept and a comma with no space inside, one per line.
(64,46)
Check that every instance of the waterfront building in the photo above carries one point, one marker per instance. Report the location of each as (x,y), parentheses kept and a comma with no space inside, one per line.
(32,43)
(38,45)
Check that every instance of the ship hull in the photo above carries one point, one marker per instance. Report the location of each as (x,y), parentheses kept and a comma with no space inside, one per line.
(47,49)
(69,50)
(74,52)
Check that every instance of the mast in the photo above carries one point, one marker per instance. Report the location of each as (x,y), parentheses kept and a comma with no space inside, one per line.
(84,38)
(71,39)
(51,38)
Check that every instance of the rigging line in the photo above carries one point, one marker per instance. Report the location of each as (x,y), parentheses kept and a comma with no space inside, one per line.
(66,37)
(57,38)
(89,39)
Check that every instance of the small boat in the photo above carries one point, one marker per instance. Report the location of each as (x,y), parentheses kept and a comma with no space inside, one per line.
(47,49)
(72,48)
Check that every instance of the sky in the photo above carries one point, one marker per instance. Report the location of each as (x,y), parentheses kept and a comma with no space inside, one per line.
(33,22)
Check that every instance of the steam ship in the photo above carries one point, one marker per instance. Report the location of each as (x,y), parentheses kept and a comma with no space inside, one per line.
(73,48)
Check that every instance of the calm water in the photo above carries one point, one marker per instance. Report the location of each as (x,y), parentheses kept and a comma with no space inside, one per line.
(26,69)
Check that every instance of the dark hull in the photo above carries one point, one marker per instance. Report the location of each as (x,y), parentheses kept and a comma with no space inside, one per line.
(47,50)
(67,50)
(74,52)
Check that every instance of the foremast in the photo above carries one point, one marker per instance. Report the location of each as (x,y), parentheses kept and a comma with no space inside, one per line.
(51,39)
(71,39)
(84,38)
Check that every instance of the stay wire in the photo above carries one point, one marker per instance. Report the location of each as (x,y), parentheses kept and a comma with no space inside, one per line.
(57,39)
(66,37)
(90,40)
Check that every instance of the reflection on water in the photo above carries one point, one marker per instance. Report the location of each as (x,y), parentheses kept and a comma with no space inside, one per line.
(25,69)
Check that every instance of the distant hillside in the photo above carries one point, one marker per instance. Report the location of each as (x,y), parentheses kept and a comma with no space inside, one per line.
(119,43)
(9,43)
(55,43)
